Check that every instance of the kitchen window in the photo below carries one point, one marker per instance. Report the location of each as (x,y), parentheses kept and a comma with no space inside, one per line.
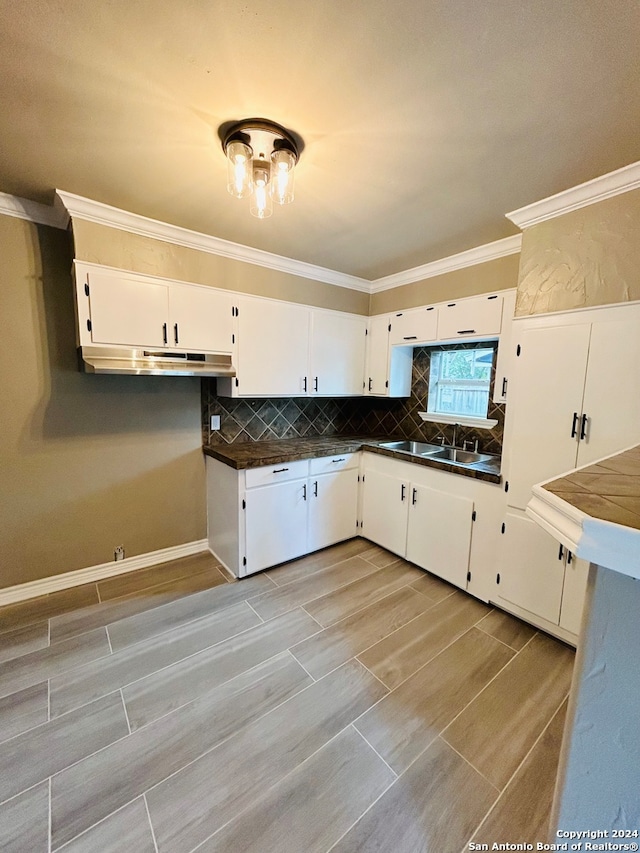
(459,382)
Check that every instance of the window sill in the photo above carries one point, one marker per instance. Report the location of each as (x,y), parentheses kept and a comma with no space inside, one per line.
(479,423)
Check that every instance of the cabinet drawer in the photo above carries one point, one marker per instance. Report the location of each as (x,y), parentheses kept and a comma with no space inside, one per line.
(329,464)
(415,326)
(278,473)
(470,318)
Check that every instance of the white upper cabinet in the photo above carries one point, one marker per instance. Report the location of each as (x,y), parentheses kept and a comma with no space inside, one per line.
(126,311)
(120,308)
(337,354)
(506,355)
(377,370)
(273,348)
(414,326)
(478,316)
(200,319)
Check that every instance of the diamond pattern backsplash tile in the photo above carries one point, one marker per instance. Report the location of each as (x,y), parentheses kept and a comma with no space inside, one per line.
(298,417)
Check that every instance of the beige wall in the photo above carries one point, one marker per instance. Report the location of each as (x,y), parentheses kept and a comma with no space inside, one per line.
(585,258)
(86,462)
(112,247)
(500,274)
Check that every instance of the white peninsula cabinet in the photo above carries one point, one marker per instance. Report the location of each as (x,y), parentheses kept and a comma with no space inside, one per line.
(284,349)
(260,517)
(121,308)
(442,522)
(573,400)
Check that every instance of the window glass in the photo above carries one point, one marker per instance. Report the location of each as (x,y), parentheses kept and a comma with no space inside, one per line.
(459,382)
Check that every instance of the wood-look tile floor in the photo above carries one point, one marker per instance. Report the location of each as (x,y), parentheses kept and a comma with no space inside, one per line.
(346,701)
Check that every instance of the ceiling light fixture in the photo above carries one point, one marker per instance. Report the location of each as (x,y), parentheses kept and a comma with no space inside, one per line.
(261,157)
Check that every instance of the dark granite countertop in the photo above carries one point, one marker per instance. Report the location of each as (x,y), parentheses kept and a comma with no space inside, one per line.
(608,490)
(255,454)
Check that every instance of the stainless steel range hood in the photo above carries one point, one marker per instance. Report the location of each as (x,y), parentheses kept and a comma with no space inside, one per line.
(143,362)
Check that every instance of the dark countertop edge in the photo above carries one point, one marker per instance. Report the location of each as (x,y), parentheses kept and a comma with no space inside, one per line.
(344,445)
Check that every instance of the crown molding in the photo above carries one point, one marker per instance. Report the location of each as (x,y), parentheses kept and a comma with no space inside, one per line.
(599,189)
(32,211)
(477,255)
(103,214)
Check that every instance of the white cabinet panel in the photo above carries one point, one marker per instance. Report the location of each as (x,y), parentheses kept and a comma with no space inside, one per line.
(377,372)
(611,402)
(333,505)
(439,533)
(200,319)
(385,507)
(268,475)
(545,406)
(470,318)
(273,348)
(337,354)
(531,568)
(331,464)
(276,524)
(576,575)
(417,325)
(128,312)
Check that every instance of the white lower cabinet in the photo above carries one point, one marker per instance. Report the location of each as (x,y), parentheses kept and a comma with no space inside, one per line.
(441,522)
(265,516)
(439,533)
(535,573)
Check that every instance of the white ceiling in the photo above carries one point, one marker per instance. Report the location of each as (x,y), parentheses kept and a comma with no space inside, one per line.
(424,122)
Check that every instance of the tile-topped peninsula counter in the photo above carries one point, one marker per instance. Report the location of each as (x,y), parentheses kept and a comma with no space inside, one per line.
(595,512)
(254,454)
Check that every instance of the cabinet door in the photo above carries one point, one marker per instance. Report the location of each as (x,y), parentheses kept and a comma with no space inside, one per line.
(546,391)
(377,372)
(333,506)
(128,312)
(611,401)
(439,533)
(506,354)
(470,318)
(337,354)
(385,507)
(200,319)
(276,524)
(418,325)
(531,568)
(576,574)
(273,348)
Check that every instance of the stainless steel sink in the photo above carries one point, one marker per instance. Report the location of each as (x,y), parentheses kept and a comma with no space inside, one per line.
(418,448)
(464,457)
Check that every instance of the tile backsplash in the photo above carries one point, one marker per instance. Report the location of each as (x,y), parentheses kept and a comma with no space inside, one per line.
(298,417)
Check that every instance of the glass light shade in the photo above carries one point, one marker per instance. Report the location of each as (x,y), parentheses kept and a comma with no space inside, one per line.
(239,171)
(261,203)
(282,166)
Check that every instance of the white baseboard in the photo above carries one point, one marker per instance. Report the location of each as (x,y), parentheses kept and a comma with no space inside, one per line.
(33,589)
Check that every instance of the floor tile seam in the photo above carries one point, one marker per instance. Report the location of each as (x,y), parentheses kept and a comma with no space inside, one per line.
(370,604)
(124,707)
(515,772)
(263,794)
(444,598)
(493,637)
(152,637)
(48,701)
(365,812)
(384,761)
(152,586)
(153,832)
(318,571)
(98,592)
(311,616)
(233,734)
(106,629)
(49,821)
(386,686)
(472,766)
(426,663)
(44,677)
(322,594)
(255,611)
(23,791)
(61,847)
(159,669)
(299,662)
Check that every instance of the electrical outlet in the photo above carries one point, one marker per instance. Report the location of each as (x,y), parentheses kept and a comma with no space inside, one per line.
(118,552)
(215,422)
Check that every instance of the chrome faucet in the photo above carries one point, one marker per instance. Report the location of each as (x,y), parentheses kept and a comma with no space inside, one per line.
(472,444)
(455,432)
